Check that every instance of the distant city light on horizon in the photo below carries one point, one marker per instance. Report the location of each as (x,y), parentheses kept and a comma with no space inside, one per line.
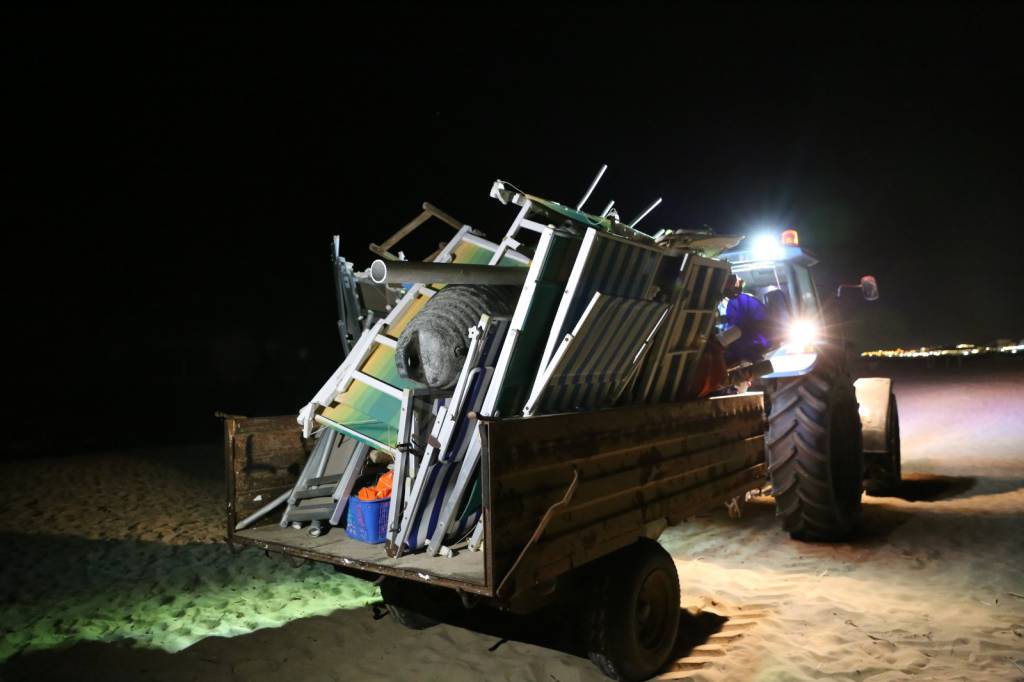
(960,350)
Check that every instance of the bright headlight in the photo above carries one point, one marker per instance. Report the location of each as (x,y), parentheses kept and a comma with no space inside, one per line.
(802,333)
(766,247)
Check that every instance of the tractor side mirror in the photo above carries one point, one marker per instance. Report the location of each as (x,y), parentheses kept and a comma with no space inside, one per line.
(869,287)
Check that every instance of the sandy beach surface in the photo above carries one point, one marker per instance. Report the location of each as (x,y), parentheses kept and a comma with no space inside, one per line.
(113,567)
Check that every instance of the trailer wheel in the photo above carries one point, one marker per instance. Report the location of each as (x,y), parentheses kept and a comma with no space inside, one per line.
(414,606)
(815,458)
(410,619)
(887,481)
(634,617)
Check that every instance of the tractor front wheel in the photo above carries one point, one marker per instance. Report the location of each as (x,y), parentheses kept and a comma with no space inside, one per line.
(815,461)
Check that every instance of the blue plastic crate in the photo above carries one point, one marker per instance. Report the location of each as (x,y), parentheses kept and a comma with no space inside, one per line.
(367,520)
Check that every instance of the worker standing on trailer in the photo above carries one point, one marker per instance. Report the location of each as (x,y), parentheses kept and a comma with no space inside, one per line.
(746,312)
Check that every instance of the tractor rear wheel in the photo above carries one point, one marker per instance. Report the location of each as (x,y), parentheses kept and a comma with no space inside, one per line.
(815,461)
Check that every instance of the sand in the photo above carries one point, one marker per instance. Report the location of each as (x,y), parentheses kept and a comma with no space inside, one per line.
(129,547)
(113,569)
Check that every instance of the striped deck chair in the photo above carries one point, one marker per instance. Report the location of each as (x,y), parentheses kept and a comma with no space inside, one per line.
(438,482)
(517,364)
(668,371)
(605,263)
(364,400)
(596,360)
(521,353)
(449,441)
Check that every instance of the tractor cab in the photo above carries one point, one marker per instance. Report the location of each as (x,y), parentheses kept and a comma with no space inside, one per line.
(776,271)
(847,432)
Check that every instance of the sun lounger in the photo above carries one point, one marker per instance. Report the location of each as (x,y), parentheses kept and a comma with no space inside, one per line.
(517,362)
(668,371)
(310,499)
(608,264)
(449,438)
(595,361)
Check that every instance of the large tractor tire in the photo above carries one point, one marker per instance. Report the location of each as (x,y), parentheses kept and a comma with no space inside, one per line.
(815,461)
(885,480)
(633,618)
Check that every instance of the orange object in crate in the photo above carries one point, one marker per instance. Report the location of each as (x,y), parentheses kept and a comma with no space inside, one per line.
(380,491)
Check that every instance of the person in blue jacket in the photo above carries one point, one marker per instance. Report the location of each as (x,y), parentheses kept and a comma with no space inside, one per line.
(748,313)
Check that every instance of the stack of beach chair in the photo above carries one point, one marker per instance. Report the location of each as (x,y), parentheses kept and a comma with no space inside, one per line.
(606,317)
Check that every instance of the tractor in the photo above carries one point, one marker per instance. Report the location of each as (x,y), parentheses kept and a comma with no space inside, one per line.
(829,437)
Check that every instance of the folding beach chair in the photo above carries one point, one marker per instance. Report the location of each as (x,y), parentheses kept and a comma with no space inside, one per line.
(592,366)
(363,398)
(608,264)
(668,371)
(350,322)
(449,438)
(311,497)
(429,211)
(516,366)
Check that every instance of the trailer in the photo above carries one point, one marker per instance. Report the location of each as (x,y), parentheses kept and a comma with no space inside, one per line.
(569,500)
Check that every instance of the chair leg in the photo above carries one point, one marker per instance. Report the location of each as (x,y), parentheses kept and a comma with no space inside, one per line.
(451,505)
(348,482)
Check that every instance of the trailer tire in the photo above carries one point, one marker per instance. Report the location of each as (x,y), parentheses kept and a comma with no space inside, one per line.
(411,605)
(410,619)
(815,457)
(632,624)
(888,480)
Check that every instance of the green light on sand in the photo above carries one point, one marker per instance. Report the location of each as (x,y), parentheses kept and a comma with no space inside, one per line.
(159,596)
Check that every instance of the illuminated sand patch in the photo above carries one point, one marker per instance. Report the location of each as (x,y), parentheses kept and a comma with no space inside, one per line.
(60,590)
(131,549)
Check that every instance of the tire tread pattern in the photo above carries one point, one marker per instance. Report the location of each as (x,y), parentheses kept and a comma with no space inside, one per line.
(800,458)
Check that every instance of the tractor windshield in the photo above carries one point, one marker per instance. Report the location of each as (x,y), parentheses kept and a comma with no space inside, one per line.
(806,292)
(786,289)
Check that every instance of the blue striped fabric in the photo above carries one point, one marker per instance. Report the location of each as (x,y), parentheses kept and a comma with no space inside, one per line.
(589,370)
(455,448)
(441,475)
(440,479)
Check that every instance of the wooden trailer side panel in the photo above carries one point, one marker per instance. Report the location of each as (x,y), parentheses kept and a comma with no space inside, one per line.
(263,457)
(567,489)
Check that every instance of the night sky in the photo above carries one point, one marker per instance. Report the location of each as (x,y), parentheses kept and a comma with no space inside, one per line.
(175,179)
